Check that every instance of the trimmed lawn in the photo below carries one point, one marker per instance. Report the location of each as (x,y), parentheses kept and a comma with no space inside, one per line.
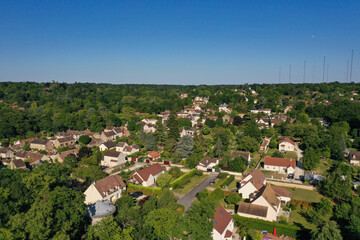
(291,155)
(305,195)
(196,180)
(296,218)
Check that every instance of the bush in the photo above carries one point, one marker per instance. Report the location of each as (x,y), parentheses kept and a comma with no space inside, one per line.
(145,190)
(222,175)
(180,180)
(258,224)
(228,181)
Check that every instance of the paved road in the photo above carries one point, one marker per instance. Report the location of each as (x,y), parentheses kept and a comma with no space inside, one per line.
(186,201)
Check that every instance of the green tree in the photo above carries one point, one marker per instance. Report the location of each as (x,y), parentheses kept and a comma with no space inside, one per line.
(238,164)
(160,133)
(233,198)
(185,146)
(164,180)
(173,126)
(218,148)
(278,154)
(84,139)
(246,143)
(163,222)
(328,230)
(303,118)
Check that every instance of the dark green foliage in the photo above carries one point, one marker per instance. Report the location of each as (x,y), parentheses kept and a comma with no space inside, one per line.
(248,144)
(311,159)
(278,154)
(228,181)
(238,164)
(233,198)
(173,126)
(84,139)
(185,146)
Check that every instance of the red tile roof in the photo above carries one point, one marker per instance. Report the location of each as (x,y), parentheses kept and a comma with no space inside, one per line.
(221,219)
(286,139)
(154,154)
(109,184)
(146,172)
(280,162)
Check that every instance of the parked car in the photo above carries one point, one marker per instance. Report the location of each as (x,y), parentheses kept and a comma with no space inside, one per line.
(136,194)
(212,182)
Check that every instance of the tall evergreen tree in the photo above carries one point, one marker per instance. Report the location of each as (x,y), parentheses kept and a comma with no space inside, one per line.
(173,126)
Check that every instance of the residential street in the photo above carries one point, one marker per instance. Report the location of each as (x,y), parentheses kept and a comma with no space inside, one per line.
(186,201)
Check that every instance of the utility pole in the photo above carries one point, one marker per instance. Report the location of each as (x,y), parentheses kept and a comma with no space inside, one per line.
(324,70)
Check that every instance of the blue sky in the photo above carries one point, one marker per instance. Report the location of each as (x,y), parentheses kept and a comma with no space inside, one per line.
(178,42)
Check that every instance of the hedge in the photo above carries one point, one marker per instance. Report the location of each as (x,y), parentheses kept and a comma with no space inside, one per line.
(142,188)
(185,175)
(257,224)
(228,181)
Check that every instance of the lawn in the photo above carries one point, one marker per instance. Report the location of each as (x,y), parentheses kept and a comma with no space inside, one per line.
(324,166)
(291,155)
(270,151)
(296,218)
(305,195)
(218,182)
(275,175)
(196,180)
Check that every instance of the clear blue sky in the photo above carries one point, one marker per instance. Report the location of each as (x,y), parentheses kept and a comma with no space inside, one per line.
(177,42)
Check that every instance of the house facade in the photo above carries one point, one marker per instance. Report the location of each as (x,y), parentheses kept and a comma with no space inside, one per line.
(39,144)
(286,144)
(207,164)
(223,224)
(109,188)
(112,159)
(107,145)
(280,165)
(64,142)
(252,183)
(354,158)
(147,176)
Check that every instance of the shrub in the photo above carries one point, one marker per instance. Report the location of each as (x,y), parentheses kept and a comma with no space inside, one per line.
(179,180)
(222,175)
(228,181)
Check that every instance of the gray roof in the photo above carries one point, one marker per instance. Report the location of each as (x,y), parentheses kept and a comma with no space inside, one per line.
(100,209)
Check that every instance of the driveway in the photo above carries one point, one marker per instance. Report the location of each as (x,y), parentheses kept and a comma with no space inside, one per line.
(187,200)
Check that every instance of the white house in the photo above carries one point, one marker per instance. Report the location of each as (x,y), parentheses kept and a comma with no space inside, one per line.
(148,128)
(224,107)
(263,110)
(113,158)
(207,164)
(223,224)
(109,188)
(286,144)
(130,149)
(184,132)
(242,154)
(265,205)
(280,165)
(148,175)
(120,146)
(283,194)
(107,145)
(252,183)
(354,157)
(6,153)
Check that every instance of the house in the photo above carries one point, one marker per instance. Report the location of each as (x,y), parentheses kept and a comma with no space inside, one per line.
(17,164)
(151,121)
(354,157)
(186,132)
(252,183)
(283,194)
(223,224)
(131,149)
(263,122)
(242,154)
(276,121)
(113,158)
(109,188)
(6,153)
(95,142)
(280,165)
(120,146)
(22,155)
(153,156)
(108,136)
(224,107)
(267,111)
(60,157)
(264,205)
(39,144)
(147,176)
(264,146)
(286,144)
(207,164)
(64,142)
(148,127)
(107,145)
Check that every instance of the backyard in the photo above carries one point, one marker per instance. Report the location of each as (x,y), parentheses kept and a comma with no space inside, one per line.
(194,181)
(305,195)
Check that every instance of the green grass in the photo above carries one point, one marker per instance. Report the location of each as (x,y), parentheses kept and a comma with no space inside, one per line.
(296,218)
(218,182)
(291,155)
(323,167)
(196,180)
(305,195)
(251,223)
(270,152)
